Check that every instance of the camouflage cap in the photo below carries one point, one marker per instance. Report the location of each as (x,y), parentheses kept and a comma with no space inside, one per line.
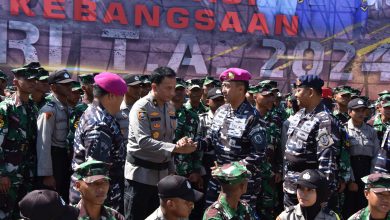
(263,89)
(76,86)
(343,90)
(377,182)
(92,170)
(3,75)
(145,79)
(384,92)
(272,83)
(87,78)
(32,65)
(23,72)
(231,173)
(252,89)
(385,100)
(42,74)
(180,83)
(208,80)
(194,83)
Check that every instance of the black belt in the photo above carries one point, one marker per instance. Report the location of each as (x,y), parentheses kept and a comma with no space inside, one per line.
(146,164)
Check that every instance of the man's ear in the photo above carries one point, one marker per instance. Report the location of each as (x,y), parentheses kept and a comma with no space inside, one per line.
(77,185)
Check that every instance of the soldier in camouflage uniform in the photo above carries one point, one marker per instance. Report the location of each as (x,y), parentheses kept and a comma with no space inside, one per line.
(17,145)
(342,96)
(237,133)
(98,136)
(382,120)
(74,97)
(272,176)
(188,165)
(86,82)
(377,187)
(41,87)
(133,93)
(208,83)
(314,138)
(194,93)
(93,184)
(233,178)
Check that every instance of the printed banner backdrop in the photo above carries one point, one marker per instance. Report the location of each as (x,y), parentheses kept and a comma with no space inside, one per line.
(344,41)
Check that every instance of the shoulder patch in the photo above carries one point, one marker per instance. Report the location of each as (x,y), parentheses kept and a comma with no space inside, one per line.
(1,121)
(48,114)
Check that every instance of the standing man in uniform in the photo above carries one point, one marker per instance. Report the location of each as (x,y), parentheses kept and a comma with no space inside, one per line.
(382,120)
(271,177)
(237,133)
(133,93)
(364,146)
(98,136)
(194,93)
(377,193)
(233,178)
(146,85)
(342,96)
(93,183)
(208,83)
(149,149)
(52,122)
(17,144)
(86,82)
(313,139)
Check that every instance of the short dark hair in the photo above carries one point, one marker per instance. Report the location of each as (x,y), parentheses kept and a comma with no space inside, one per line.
(160,73)
(98,91)
(243,83)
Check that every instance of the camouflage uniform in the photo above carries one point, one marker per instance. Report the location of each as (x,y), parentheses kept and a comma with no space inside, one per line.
(269,196)
(343,117)
(201,108)
(364,214)
(74,120)
(17,151)
(377,183)
(238,135)
(98,136)
(313,143)
(187,125)
(122,118)
(380,127)
(90,171)
(231,174)
(107,213)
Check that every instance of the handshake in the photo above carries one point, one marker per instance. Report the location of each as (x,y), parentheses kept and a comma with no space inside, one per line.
(185,146)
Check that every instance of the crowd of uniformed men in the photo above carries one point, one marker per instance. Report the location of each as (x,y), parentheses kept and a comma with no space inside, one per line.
(158,147)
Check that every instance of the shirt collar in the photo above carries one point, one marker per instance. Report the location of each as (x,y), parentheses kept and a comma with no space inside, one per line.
(83,212)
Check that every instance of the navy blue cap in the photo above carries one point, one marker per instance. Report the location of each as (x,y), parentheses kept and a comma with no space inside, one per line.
(310,81)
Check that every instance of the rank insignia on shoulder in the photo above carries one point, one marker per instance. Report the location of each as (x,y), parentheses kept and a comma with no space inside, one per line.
(156,134)
(154,114)
(48,115)
(1,122)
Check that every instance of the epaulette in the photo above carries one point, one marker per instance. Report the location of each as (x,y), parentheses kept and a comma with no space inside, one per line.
(290,209)
(50,103)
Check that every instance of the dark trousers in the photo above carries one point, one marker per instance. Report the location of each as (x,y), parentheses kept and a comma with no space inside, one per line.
(354,201)
(61,172)
(140,200)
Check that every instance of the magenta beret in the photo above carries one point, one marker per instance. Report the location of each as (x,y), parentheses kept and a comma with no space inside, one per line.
(111,82)
(235,74)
